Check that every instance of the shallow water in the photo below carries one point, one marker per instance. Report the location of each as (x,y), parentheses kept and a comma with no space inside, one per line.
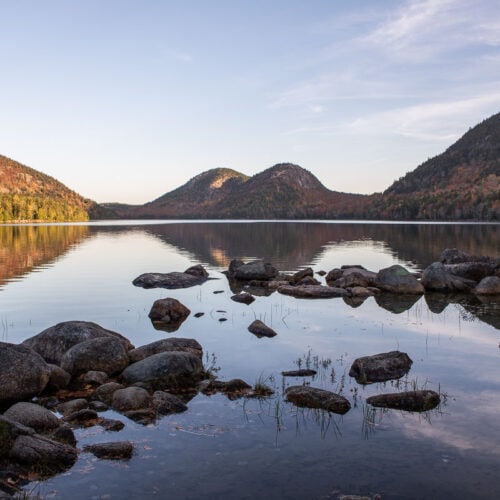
(268,448)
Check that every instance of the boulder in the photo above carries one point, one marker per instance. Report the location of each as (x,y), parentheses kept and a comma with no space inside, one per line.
(53,342)
(109,424)
(396,279)
(312,291)
(422,400)
(32,415)
(243,298)
(131,398)
(94,377)
(72,406)
(439,279)
(380,367)
(259,329)
(166,369)
(488,286)
(64,434)
(455,256)
(46,455)
(256,270)
(166,345)
(308,281)
(119,450)
(82,418)
(23,372)
(168,314)
(166,403)
(104,354)
(59,378)
(195,275)
(104,393)
(474,271)
(300,275)
(312,397)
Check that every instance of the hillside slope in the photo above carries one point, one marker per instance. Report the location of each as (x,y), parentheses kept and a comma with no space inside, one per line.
(461,183)
(29,195)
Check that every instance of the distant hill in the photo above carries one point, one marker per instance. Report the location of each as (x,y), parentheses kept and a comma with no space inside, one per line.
(29,195)
(285,191)
(461,183)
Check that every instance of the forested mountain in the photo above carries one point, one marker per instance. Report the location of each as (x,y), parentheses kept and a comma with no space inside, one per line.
(461,183)
(28,195)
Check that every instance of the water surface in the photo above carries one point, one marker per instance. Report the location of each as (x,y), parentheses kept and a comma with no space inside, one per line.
(268,448)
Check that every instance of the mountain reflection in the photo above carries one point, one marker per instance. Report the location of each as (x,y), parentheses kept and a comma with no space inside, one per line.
(24,248)
(290,246)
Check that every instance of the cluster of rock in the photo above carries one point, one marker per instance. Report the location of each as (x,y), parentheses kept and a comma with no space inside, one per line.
(77,369)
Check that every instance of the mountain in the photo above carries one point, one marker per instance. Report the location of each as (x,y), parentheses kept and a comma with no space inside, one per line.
(461,183)
(27,194)
(284,191)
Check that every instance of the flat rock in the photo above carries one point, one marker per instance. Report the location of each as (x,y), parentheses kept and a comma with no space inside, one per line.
(422,400)
(312,291)
(397,279)
(380,367)
(23,372)
(32,415)
(120,450)
(243,298)
(166,369)
(195,275)
(312,397)
(303,372)
(172,344)
(53,342)
(104,354)
(259,329)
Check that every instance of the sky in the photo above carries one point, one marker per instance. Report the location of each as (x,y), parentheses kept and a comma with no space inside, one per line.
(125,100)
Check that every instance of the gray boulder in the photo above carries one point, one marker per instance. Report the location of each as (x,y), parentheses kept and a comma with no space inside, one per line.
(259,329)
(166,345)
(422,400)
(168,313)
(312,291)
(131,398)
(195,275)
(53,342)
(59,378)
(166,403)
(300,275)
(72,406)
(312,397)
(104,354)
(488,286)
(256,270)
(94,377)
(104,393)
(455,256)
(32,415)
(166,369)
(396,279)
(380,367)
(23,372)
(439,279)
(474,271)
(243,298)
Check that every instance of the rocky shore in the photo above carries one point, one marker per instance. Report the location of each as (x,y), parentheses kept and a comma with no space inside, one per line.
(64,377)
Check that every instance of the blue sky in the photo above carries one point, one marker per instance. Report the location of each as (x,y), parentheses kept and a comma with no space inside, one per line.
(126,100)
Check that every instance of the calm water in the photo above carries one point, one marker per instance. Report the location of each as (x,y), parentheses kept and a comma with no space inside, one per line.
(269,449)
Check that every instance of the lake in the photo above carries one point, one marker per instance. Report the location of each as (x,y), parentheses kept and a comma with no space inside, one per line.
(249,448)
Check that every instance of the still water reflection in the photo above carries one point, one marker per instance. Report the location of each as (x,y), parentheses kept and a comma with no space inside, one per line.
(248,448)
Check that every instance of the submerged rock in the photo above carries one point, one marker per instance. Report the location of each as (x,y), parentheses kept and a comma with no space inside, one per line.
(422,400)
(195,275)
(243,298)
(304,372)
(312,291)
(259,329)
(380,367)
(120,450)
(53,342)
(23,372)
(166,403)
(312,397)
(396,279)
(168,314)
